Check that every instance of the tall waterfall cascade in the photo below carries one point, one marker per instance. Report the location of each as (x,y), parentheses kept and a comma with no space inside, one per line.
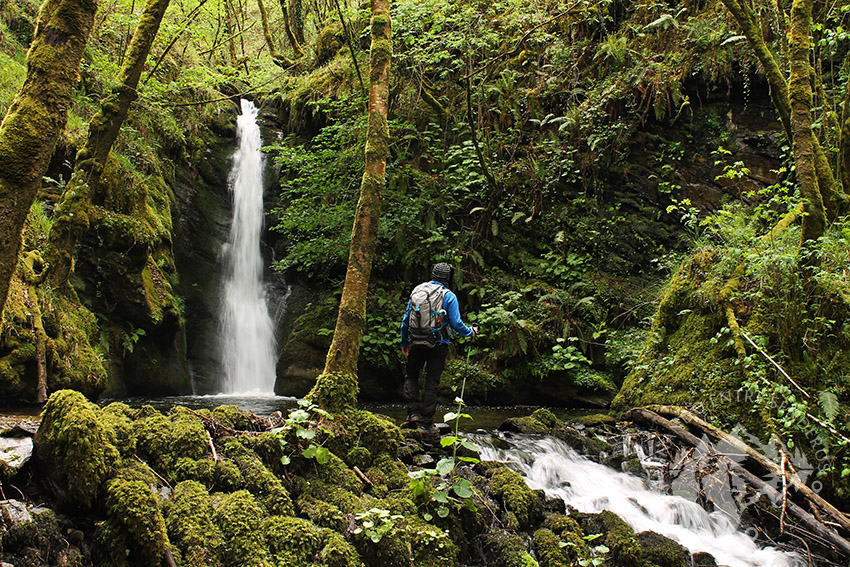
(247,332)
(551,465)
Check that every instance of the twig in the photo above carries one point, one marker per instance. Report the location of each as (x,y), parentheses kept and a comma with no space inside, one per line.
(784,493)
(776,364)
(156,474)
(363,477)
(212,446)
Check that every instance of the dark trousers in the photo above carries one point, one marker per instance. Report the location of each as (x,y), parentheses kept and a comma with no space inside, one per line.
(434,361)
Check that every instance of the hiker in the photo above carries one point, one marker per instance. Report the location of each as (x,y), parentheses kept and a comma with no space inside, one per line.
(425,333)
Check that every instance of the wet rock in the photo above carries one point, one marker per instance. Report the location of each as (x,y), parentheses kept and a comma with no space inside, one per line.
(424,460)
(15,452)
(14,512)
(661,550)
(703,559)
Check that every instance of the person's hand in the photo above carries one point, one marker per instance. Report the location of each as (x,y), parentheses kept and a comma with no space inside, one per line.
(474,331)
(405,350)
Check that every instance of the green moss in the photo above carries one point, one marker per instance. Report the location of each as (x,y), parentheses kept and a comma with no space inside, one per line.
(163,440)
(570,533)
(337,552)
(76,447)
(546,417)
(232,417)
(292,541)
(238,515)
(189,521)
(618,536)
(259,480)
(378,435)
(549,552)
(321,513)
(221,475)
(335,392)
(358,457)
(507,548)
(516,497)
(526,424)
(134,509)
(328,42)
(662,551)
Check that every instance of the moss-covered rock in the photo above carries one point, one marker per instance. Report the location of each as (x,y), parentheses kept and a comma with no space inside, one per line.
(502,547)
(323,514)
(569,533)
(662,551)
(527,424)
(337,552)
(133,510)
(518,500)
(190,527)
(258,479)
(238,516)
(292,541)
(618,536)
(75,448)
(162,440)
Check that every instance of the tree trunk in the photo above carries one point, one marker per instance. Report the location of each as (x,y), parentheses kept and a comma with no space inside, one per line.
(297,52)
(72,212)
(296,17)
(36,117)
(264,18)
(834,200)
(336,388)
(800,92)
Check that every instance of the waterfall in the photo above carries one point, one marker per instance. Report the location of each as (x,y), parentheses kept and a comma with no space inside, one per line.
(247,333)
(549,464)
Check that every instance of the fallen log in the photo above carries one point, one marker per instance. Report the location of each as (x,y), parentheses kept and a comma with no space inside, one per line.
(649,417)
(769,465)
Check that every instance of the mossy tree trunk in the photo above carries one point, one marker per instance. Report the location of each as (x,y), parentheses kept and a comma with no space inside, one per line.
(800,91)
(71,220)
(36,117)
(834,200)
(336,388)
(297,51)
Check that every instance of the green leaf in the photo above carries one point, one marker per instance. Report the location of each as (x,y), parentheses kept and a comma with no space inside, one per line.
(829,404)
(427,517)
(448,440)
(445,466)
(442,511)
(449,416)
(284,460)
(305,433)
(462,488)
(309,452)
(323,455)
(441,496)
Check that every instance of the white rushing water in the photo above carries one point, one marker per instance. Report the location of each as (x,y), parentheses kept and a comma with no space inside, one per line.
(549,464)
(247,333)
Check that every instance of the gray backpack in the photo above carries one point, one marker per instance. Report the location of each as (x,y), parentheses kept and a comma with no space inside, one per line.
(428,322)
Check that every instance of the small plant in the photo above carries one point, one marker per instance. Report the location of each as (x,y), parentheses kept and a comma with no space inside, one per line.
(451,486)
(304,423)
(597,552)
(376,523)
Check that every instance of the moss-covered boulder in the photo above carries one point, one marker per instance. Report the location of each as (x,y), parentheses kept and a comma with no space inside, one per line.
(618,537)
(190,526)
(75,448)
(522,506)
(259,480)
(662,551)
(162,440)
(134,532)
(502,547)
(238,515)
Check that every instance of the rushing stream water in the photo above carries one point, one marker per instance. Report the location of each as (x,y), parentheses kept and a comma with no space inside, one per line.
(247,332)
(549,464)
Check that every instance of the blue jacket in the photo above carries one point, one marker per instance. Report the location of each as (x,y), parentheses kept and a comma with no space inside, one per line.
(453,312)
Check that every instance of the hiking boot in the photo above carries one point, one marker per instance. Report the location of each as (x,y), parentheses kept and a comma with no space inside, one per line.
(412,422)
(428,428)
